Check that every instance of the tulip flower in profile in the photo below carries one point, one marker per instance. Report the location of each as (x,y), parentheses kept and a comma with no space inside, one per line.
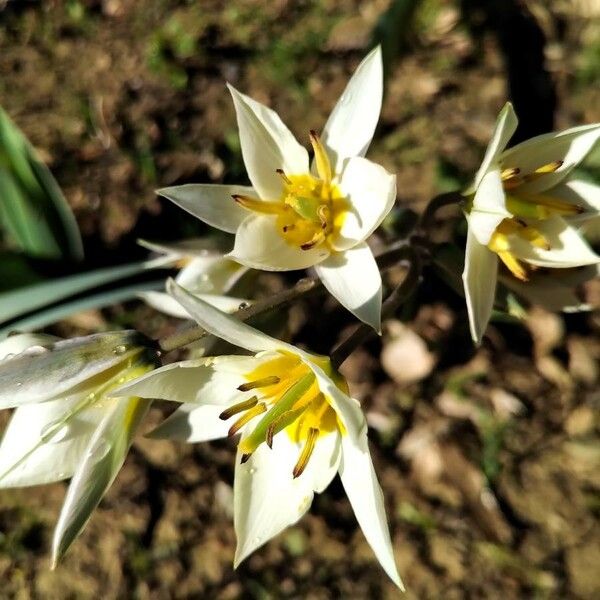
(524,208)
(204,272)
(297,423)
(65,424)
(297,216)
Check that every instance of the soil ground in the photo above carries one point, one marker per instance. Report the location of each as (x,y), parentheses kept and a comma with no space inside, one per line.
(489,459)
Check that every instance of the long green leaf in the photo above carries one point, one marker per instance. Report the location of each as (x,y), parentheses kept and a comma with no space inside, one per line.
(26,299)
(62,311)
(33,210)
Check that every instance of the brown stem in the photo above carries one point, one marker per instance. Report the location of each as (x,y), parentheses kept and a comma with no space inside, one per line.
(363,331)
(385,258)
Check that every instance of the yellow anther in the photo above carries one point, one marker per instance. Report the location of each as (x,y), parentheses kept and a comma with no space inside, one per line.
(260,206)
(321,158)
(243,420)
(307,450)
(238,408)
(259,383)
(550,167)
(510,173)
(513,265)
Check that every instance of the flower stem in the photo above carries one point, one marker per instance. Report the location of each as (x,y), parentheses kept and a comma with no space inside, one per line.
(435,204)
(385,258)
(363,332)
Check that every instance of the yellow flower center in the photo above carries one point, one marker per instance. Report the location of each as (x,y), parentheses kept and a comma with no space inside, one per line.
(526,206)
(289,398)
(311,210)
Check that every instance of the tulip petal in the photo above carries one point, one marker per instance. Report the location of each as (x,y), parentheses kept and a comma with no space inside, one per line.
(267,145)
(210,275)
(191,423)
(15,344)
(582,193)
(567,246)
(570,146)
(222,325)
(169,306)
(267,498)
(206,380)
(506,125)
(26,458)
(212,204)
(489,207)
(351,125)
(479,279)
(353,278)
(65,367)
(259,245)
(365,495)
(101,463)
(371,191)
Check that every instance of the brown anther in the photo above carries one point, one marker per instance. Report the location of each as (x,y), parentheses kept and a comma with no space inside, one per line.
(309,446)
(238,408)
(244,419)
(245,458)
(283,176)
(287,228)
(270,434)
(259,383)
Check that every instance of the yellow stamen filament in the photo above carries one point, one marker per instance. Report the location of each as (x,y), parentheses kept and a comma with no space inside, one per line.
(321,158)
(550,167)
(554,204)
(513,265)
(307,450)
(263,207)
(250,414)
(280,423)
(238,408)
(259,383)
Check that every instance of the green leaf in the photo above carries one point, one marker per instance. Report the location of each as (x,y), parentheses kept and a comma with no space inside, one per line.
(62,311)
(33,210)
(23,300)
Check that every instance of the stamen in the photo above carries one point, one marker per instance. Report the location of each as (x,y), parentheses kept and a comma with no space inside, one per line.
(238,408)
(510,173)
(513,265)
(281,422)
(245,458)
(321,158)
(309,446)
(324,214)
(550,167)
(287,228)
(259,383)
(314,241)
(556,205)
(532,235)
(253,412)
(283,176)
(260,206)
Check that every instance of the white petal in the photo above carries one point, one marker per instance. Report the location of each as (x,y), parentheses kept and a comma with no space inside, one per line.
(267,144)
(210,203)
(63,368)
(479,279)
(363,490)
(267,498)
(210,275)
(353,278)
(567,246)
(350,127)
(29,455)
(571,146)
(191,423)
(582,193)
(222,325)
(506,125)
(206,380)
(15,344)
(163,303)
(259,245)
(371,191)
(101,463)
(489,207)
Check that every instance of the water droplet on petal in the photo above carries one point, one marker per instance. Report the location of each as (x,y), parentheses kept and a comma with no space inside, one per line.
(252,471)
(36,350)
(54,432)
(243,305)
(19,383)
(120,349)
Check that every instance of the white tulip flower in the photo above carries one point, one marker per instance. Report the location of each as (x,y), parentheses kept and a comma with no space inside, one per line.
(296,216)
(65,425)
(524,208)
(297,423)
(207,274)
